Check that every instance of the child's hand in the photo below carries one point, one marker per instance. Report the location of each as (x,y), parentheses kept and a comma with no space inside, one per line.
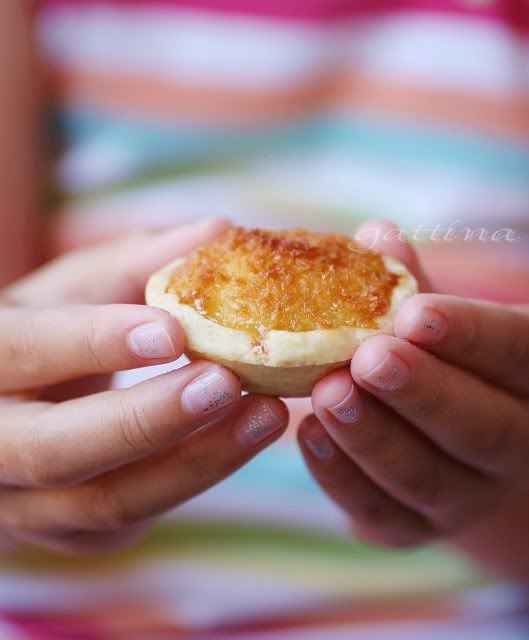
(85,473)
(433,434)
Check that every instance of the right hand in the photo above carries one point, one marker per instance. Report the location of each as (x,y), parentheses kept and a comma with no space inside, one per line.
(86,472)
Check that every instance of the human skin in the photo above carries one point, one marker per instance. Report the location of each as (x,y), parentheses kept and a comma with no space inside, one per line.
(84,468)
(20,146)
(493,522)
(426,436)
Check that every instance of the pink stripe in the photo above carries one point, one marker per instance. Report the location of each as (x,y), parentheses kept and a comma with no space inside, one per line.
(514,13)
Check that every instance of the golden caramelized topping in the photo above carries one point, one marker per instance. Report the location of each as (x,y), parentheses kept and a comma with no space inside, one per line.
(259,280)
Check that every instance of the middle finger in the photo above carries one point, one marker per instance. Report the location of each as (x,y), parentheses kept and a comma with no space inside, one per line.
(477,424)
(123,498)
(398,457)
(45,445)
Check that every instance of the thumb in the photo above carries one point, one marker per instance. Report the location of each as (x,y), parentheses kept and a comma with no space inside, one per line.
(387,238)
(113,272)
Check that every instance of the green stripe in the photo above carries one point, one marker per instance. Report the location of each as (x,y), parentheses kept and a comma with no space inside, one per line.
(307,552)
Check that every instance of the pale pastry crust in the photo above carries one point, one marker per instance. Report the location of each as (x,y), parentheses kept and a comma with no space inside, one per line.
(284,363)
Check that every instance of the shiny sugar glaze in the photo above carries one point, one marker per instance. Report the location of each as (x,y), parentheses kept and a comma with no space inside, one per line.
(259,280)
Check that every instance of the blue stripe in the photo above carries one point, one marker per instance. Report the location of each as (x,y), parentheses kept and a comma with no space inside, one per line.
(396,143)
(277,469)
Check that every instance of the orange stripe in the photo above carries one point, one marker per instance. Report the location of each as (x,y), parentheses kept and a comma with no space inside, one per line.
(170,99)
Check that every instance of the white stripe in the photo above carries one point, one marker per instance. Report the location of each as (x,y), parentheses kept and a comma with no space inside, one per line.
(217,50)
(442,51)
(338,180)
(265,192)
(181,44)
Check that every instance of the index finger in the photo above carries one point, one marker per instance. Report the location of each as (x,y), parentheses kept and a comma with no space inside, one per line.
(45,445)
(40,347)
(491,340)
(113,272)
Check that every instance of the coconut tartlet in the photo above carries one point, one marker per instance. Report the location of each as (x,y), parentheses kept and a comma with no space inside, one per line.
(281,309)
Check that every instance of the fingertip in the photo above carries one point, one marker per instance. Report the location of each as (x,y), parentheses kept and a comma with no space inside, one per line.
(216,225)
(331,387)
(331,391)
(261,421)
(306,424)
(209,388)
(158,338)
(420,322)
(276,405)
(178,336)
(369,354)
(378,223)
(377,234)
(382,364)
(197,233)
(406,317)
(280,409)
(174,329)
(233,380)
(173,243)
(315,441)
(389,239)
(310,424)
(372,353)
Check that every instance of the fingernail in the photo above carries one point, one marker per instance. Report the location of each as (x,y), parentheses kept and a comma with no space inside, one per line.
(151,341)
(428,326)
(391,374)
(207,393)
(348,410)
(259,422)
(320,444)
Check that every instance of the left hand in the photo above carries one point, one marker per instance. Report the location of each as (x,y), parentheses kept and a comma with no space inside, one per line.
(427,434)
